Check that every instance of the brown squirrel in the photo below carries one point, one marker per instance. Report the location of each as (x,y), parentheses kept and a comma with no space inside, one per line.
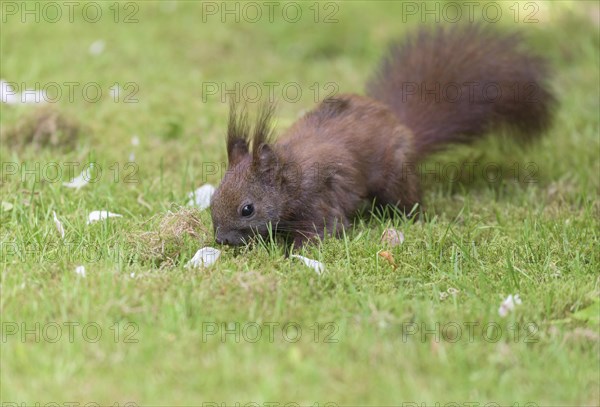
(435,88)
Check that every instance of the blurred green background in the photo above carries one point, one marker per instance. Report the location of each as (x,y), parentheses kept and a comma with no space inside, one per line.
(486,240)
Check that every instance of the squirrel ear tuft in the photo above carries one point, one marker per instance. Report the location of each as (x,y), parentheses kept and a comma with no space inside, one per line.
(237,149)
(238,132)
(265,158)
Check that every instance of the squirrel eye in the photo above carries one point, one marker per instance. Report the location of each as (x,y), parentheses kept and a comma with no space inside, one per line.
(247,210)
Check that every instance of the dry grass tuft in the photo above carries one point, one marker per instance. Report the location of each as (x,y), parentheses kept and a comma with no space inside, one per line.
(176,232)
(45,127)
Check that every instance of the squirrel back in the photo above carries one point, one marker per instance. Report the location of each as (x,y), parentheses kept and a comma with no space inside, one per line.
(435,88)
(453,85)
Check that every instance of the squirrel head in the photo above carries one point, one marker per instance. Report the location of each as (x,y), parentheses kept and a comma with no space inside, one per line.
(248,199)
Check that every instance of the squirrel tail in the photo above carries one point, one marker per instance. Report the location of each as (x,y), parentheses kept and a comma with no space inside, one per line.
(453,85)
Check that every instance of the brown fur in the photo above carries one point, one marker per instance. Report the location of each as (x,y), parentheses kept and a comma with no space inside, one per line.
(352,150)
(475,60)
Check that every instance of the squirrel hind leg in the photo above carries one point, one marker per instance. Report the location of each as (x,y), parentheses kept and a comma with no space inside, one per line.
(398,185)
(402,190)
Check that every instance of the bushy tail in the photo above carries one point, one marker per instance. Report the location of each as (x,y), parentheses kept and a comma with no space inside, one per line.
(453,85)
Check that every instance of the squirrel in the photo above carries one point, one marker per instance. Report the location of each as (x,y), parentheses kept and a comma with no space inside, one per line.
(437,87)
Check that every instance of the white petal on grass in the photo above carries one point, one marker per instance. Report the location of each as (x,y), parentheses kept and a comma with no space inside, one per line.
(82,179)
(201,197)
(8,93)
(80,270)
(135,141)
(6,206)
(452,291)
(205,257)
(115,92)
(317,266)
(59,225)
(508,305)
(33,96)
(97,47)
(393,237)
(95,216)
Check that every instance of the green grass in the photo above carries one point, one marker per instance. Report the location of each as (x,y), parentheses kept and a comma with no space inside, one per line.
(485,239)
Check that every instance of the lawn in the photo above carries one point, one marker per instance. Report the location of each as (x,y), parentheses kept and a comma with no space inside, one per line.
(141,94)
